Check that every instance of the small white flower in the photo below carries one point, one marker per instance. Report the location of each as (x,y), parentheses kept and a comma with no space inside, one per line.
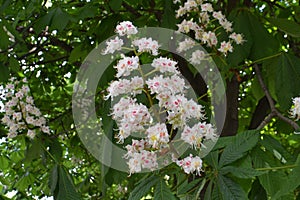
(147,45)
(190,164)
(113,45)
(225,47)
(31,134)
(238,38)
(185,45)
(295,111)
(126,65)
(157,135)
(207,7)
(126,28)
(165,65)
(197,57)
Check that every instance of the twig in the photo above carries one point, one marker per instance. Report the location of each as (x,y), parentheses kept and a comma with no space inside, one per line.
(274,111)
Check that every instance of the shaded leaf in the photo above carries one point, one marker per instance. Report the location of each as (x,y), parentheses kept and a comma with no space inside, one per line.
(115,4)
(288,26)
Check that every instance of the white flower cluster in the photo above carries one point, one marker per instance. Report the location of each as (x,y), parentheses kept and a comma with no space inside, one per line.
(21,115)
(206,28)
(164,86)
(295,110)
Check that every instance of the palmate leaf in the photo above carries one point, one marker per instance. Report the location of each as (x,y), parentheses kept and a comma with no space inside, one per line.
(67,190)
(241,143)
(162,191)
(143,188)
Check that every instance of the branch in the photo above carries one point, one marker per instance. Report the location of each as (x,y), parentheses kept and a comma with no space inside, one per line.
(274,111)
(131,9)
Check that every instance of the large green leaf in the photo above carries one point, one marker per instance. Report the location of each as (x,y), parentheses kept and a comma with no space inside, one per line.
(143,187)
(288,26)
(67,190)
(287,77)
(229,189)
(241,143)
(162,191)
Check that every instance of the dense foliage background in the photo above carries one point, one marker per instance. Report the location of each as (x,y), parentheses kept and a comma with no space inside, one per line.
(257,156)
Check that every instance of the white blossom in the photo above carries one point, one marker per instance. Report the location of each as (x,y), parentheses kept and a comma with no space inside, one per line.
(126,28)
(147,45)
(113,45)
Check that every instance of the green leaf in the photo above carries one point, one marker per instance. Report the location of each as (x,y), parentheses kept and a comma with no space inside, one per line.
(256,90)
(208,191)
(4,162)
(67,190)
(26,181)
(288,26)
(4,75)
(259,42)
(162,191)
(292,182)
(55,149)
(229,189)
(115,4)
(4,38)
(43,21)
(241,143)
(212,158)
(60,19)
(14,64)
(188,186)
(168,18)
(257,192)
(34,150)
(53,179)
(143,188)
(241,172)
(276,148)
(87,11)
(287,76)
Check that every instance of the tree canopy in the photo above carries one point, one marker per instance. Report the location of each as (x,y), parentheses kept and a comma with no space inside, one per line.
(255,46)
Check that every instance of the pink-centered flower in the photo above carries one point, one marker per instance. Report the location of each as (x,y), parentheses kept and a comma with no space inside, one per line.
(126,28)
(113,45)
(165,65)
(147,45)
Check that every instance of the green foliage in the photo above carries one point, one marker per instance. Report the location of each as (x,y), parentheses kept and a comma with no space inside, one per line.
(143,187)
(48,43)
(242,143)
